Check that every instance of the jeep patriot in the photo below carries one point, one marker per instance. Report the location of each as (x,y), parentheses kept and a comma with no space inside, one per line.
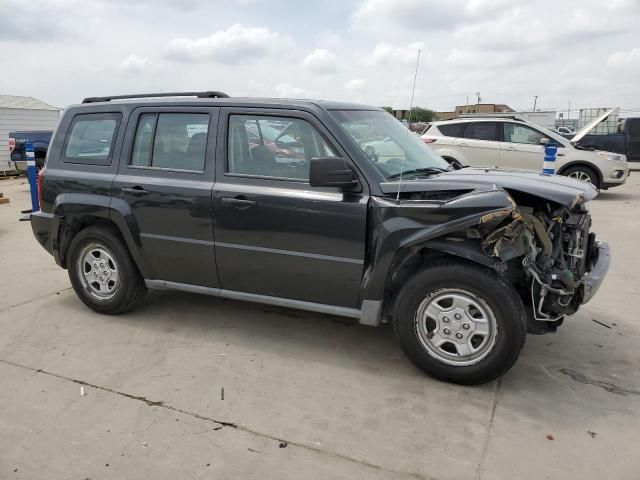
(287,203)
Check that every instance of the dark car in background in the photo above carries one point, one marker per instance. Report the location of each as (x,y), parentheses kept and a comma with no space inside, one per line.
(18,145)
(626,141)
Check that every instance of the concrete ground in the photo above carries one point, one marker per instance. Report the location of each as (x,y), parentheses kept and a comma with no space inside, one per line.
(305,395)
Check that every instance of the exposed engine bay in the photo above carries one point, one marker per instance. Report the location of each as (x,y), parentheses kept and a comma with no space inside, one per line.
(554,247)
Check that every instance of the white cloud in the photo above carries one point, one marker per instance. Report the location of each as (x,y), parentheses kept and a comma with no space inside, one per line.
(135,63)
(509,50)
(236,44)
(388,53)
(321,61)
(355,84)
(379,15)
(624,59)
(286,90)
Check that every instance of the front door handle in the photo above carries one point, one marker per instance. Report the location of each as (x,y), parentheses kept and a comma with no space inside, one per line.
(137,190)
(463,144)
(239,202)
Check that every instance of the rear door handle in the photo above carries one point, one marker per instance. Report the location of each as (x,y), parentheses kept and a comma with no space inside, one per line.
(239,202)
(464,144)
(137,190)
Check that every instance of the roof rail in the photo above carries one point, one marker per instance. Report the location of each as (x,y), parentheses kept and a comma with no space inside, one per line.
(492,115)
(210,94)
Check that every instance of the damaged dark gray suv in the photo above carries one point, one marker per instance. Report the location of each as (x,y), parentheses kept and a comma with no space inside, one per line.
(323,206)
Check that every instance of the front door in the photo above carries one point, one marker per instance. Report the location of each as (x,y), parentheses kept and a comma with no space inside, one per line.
(165,178)
(521,148)
(275,234)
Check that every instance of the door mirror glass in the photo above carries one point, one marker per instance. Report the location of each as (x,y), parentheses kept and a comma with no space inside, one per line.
(544,141)
(331,172)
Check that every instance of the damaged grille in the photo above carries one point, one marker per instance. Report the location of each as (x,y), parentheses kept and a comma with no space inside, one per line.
(556,250)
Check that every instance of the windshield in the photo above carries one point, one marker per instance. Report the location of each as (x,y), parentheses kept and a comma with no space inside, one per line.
(389,145)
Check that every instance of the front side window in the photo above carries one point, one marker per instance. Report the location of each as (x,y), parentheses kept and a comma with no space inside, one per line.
(481,131)
(91,138)
(514,133)
(175,141)
(276,147)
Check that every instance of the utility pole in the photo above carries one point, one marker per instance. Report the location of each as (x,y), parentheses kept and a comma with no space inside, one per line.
(467,106)
(569,110)
(535,101)
(478,107)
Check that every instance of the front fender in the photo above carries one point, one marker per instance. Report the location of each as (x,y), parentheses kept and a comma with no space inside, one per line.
(399,225)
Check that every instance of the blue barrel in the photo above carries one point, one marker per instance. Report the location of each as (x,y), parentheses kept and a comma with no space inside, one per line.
(549,164)
(33,176)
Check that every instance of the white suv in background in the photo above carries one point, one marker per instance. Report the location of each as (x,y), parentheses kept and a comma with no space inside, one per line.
(514,144)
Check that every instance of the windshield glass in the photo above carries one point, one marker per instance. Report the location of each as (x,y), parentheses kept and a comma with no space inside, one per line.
(389,145)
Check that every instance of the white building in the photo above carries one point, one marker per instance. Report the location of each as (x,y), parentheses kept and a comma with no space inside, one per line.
(23,113)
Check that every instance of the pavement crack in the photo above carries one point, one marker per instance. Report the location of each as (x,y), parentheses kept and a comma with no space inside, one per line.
(220,424)
(609,387)
(34,299)
(485,447)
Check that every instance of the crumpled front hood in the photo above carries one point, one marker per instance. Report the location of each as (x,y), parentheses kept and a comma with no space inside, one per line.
(559,189)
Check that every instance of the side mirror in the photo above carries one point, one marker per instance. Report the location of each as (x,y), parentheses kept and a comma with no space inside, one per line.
(544,141)
(331,172)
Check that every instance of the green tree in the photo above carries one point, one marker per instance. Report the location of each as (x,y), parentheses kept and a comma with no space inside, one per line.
(419,114)
(388,109)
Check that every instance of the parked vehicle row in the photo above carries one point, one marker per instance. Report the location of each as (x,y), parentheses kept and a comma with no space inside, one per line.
(197,194)
(514,144)
(18,143)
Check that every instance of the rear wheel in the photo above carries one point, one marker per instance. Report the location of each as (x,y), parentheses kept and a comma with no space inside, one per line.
(584,174)
(103,273)
(460,323)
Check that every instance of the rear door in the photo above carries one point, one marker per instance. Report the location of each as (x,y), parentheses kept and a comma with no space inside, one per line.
(165,182)
(480,144)
(275,234)
(521,148)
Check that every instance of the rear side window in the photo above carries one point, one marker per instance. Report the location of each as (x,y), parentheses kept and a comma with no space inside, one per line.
(175,141)
(91,138)
(481,131)
(451,130)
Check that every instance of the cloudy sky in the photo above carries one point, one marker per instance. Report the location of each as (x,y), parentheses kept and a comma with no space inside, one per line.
(583,51)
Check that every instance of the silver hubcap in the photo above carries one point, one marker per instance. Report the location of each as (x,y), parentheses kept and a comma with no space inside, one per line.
(580,175)
(456,327)
(98,272)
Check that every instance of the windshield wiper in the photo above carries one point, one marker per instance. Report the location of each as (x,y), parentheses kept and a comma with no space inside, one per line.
(417,171)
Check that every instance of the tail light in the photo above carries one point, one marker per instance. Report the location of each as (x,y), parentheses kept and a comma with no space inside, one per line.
(429,140)
(12,145)
(40,174)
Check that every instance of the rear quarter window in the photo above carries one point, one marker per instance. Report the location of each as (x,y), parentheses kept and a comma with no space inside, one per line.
(481,131)
(91,138)
(451,130)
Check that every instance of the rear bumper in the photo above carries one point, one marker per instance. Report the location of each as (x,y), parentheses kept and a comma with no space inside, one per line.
(595,277)
(44,225)
(20,165)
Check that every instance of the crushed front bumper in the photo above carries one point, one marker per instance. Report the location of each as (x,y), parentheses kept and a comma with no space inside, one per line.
(595,277)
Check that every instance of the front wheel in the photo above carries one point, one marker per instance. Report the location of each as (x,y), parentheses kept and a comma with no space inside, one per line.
(460,323)
(583,174)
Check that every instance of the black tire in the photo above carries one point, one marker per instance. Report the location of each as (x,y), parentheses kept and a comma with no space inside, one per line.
(496,293)
(131,289)
(583,170)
